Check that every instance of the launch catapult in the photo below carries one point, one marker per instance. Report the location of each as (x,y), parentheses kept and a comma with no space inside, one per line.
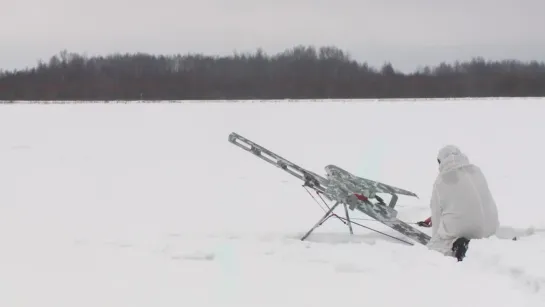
(342,187)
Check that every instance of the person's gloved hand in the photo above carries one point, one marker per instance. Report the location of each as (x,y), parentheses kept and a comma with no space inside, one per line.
(423,224)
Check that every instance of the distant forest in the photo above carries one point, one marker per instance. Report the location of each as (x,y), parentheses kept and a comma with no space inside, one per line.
(302,72)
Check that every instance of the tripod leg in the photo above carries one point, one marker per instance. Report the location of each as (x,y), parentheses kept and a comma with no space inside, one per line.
(323,219)
(348,219)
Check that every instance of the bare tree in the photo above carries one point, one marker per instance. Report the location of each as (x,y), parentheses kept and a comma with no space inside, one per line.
(298,72)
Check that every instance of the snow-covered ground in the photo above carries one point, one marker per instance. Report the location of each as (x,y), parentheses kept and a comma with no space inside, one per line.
(150,205)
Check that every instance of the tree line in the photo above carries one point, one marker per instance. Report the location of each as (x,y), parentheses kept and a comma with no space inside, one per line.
(302,72)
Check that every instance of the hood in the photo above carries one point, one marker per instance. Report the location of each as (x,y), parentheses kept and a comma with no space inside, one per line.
(451,157)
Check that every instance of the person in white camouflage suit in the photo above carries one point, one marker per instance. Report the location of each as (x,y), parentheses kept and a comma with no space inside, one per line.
(462,206)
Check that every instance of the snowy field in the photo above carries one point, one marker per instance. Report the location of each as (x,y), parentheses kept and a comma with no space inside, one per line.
(150,205)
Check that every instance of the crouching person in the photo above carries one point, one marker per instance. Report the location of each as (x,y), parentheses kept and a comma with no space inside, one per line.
(462,206)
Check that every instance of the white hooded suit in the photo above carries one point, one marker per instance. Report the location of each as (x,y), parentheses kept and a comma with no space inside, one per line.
(461,202)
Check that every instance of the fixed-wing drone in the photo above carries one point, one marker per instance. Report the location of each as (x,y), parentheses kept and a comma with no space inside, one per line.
(342,187)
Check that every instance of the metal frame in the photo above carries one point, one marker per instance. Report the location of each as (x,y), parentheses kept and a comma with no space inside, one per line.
(380,211)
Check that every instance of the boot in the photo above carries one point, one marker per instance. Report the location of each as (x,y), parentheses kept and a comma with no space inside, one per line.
(459,248)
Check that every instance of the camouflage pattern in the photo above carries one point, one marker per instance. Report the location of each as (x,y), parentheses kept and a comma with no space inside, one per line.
(340,186)
(378,212)
(364,185)
(343,187)
(338,192)
(311,179)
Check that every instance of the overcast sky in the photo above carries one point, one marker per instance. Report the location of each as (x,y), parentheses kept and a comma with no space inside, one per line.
(408,33)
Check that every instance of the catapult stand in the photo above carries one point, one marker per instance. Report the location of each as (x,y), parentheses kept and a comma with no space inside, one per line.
(329,214)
